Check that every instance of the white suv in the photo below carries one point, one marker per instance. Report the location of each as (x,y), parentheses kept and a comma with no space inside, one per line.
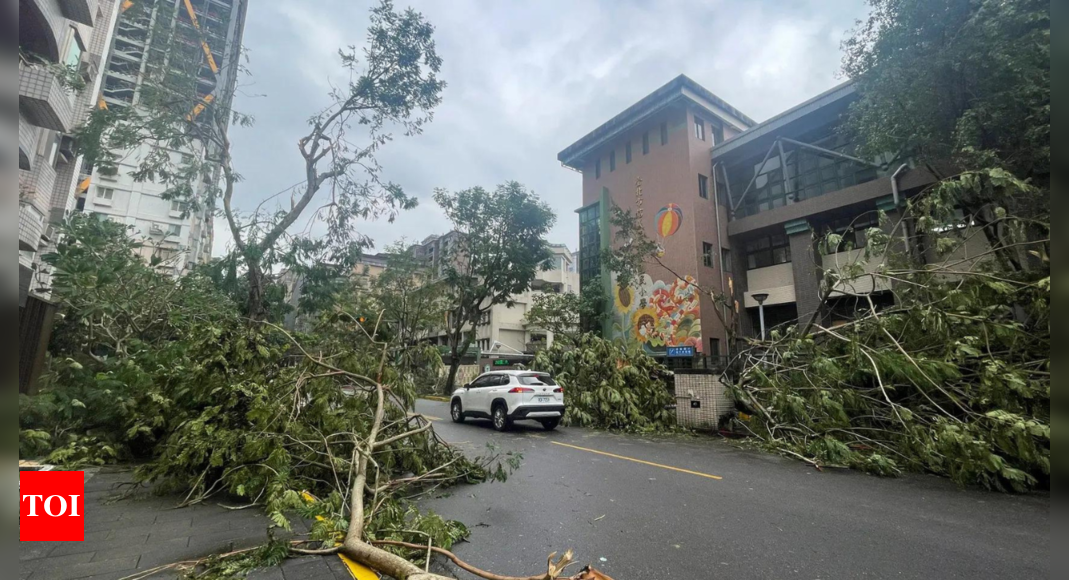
(507,396)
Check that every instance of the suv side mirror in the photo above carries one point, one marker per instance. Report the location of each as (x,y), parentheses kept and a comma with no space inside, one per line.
(466,387)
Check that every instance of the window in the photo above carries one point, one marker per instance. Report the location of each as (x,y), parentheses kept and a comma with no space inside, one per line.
(589,243)
(854,232)
(714,347)
(484,318)
(721,187)
(707,254)
(703,187)
(646,143)
(174,230)
(725,261)
(612,161)
(537,380)
(627,152)
(768,251)
(105,195)
(597,169)
(718,134)
(699,129)
(664,133)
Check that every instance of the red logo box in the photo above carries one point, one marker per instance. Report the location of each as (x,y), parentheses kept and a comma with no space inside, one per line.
(51,506)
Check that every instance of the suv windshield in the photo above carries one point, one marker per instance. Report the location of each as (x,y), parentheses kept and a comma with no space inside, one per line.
(537,380)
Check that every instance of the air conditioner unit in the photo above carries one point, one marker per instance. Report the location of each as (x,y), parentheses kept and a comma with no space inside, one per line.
(66,148)
(50,233)
(155,230)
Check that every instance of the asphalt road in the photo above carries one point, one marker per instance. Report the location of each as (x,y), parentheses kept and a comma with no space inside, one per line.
(700,508)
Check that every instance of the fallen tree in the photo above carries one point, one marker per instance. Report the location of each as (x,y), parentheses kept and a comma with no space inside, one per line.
(609,385)
(166,372)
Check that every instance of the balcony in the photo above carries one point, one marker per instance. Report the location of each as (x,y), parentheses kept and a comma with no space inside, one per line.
(43,100)
(28,136)
(81,11)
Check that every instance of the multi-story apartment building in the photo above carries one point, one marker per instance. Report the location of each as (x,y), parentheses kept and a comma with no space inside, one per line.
(736,207)
(169,232)
(504,328)
(61,46)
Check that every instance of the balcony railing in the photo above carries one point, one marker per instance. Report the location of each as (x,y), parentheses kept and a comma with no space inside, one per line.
(43,99)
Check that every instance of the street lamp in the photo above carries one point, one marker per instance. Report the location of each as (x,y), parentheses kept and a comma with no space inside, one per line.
(760,298)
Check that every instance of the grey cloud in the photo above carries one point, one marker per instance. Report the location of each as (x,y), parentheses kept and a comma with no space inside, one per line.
(525,80)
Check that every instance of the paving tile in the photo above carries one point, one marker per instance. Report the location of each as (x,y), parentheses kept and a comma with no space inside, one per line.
(49,564)
(35,550)
(224,540)
(165,531)
(176,546)
(269,574)
(306,569)
(93,569)
(83,547)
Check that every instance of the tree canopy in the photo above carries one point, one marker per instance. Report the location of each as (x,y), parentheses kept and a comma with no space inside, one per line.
(499,248)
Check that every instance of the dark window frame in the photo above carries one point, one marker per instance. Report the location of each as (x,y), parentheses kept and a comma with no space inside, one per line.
(664,133)
(699,128)
(627,153)
(646,143)
(612,161)
(597,168)
(725,261)
(768,251)
(703,186)
(707,255)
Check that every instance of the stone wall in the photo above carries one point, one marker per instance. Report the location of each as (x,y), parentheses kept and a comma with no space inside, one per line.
(701,401)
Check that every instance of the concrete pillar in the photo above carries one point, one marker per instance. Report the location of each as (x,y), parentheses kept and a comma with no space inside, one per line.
(806,263)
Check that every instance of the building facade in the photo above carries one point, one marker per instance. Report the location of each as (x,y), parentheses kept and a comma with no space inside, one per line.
(736,208)
(654,157)
(503,329)
(170,233)
(61,46)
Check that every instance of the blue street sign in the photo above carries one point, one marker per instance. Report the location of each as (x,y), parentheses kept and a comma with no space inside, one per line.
(681,351)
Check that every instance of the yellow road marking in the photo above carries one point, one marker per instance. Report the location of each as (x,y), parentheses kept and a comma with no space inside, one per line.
(359,572)
(651,464)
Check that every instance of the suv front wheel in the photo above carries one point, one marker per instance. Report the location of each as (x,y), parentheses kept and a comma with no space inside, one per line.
(457,411)
(501,418)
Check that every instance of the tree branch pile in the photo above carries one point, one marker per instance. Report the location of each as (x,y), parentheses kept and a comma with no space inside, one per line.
(609,385)
(953,379)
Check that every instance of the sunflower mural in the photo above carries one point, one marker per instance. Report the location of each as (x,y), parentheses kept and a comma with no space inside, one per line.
(659,314)
(624,297)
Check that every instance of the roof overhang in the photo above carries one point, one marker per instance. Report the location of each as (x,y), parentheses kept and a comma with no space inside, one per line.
(810,114)
(680,90)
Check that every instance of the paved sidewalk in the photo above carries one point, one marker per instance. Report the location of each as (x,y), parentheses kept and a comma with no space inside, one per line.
(146,531)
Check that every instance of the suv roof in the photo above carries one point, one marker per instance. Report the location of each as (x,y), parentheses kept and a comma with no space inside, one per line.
(515,373)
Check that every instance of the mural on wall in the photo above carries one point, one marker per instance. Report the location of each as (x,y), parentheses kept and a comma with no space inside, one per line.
(659,314)
(667,222)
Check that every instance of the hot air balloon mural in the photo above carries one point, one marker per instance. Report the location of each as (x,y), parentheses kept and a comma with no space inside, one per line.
(667,221)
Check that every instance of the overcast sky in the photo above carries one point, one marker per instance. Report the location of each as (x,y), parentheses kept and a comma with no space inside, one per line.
(525,80)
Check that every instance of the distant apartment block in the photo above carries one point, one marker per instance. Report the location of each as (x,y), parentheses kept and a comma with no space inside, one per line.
(735,207)
(503,329)
(169,232)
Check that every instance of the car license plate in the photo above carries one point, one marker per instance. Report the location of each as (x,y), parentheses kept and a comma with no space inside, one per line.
(544,399)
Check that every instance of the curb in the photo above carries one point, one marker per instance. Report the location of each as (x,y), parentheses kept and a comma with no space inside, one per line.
(436,398)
